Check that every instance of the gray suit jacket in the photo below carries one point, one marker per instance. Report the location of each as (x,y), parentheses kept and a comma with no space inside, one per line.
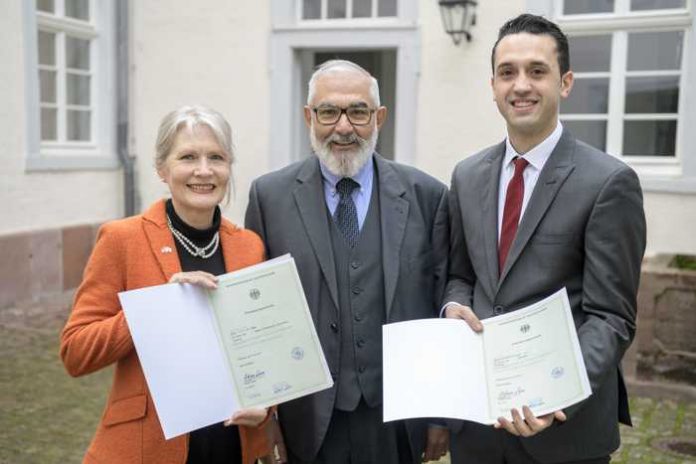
(583,229)
(288,210)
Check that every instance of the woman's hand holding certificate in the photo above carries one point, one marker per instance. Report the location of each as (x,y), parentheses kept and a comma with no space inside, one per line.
(214,348)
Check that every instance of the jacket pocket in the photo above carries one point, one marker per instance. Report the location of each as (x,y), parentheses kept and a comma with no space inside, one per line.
(125,410)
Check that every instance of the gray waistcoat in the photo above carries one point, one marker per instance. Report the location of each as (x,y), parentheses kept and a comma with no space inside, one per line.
(361,300)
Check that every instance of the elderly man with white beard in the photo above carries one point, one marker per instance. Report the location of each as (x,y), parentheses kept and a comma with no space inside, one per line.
(370,240)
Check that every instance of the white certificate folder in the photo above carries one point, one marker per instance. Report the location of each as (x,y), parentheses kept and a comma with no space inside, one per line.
(206,354)
(441,368)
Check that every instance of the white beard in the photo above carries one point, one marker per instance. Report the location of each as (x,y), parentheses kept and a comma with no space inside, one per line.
(345,164)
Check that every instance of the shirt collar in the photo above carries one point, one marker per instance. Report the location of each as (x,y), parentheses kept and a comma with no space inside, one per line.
(538,155)
(363,177)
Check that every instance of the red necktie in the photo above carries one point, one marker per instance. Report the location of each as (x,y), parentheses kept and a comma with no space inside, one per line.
(511,213)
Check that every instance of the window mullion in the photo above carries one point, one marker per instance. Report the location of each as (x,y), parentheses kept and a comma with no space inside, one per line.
(617,93)
(349,9)
(324,9)
(375,10)
(94,70)
(622,6)
(61,82)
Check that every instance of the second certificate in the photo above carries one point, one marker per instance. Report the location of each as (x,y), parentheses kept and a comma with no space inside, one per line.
(268,335)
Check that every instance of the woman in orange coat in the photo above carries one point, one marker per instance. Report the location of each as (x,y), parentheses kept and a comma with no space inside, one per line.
(183,239)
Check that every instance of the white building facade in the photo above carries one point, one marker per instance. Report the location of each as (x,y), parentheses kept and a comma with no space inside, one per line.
(76,107)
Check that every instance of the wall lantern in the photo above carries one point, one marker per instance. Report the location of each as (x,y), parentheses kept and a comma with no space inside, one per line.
(458,16)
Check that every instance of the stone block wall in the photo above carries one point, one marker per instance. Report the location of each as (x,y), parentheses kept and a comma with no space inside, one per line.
(664,349)
(43,263)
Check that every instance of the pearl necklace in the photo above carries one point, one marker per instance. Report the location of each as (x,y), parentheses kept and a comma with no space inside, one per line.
(195,251)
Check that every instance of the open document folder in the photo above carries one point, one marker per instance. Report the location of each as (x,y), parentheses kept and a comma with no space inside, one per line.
(208,353)
(441,368)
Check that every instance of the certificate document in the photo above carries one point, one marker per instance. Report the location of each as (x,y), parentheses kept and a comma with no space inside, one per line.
(208,353)
(441,368)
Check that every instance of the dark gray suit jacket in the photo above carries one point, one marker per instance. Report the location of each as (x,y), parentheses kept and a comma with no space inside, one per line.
(583,229)
(288,210)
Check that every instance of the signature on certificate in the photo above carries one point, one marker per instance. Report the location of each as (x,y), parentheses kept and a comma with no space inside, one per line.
(506,395)
(252,377)
(280,387)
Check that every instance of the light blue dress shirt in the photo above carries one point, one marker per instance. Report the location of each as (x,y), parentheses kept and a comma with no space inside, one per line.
(361,196)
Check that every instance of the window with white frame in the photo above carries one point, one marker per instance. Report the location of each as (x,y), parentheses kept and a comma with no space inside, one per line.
(347,9)
(66,70)
(628,61)
(71,91)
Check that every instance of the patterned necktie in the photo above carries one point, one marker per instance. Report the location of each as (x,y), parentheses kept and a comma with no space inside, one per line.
(511,213)
(346,215)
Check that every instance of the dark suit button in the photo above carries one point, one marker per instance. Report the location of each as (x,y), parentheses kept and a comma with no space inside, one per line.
(334,327)
(361,369)
(357,318)
(357,290)
(360,343)
(498,309)
(355,264)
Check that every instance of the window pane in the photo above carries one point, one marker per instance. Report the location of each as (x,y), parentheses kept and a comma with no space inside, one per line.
(78,125)
(78,9)
(591,132)
(47,80)
(78,89)
(587,6)
(362,8)
(637,5)
(587,96)
(386,8)
(311,9)
(48,124)
(649,51)
(336,9)
(649,138)
(590,53)
(76,53)
(45,5)
(47,48)
(652,94)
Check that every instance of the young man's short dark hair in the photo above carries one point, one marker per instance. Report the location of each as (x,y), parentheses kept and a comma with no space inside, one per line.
(533,24)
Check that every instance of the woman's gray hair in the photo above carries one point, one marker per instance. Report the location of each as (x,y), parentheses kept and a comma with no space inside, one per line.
(191,117)
(341,65)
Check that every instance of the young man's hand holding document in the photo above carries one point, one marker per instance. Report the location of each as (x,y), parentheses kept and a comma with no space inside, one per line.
(208,353)
(442,368)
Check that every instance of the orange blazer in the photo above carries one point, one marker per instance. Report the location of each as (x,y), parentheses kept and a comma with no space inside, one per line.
(133,253)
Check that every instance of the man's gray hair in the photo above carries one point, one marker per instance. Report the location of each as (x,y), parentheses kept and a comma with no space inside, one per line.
(341,66)
(191,117)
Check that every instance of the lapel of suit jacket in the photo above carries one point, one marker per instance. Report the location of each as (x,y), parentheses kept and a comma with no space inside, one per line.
(394,214)
(489,182)
(556,170)
(309,198)
(161,239)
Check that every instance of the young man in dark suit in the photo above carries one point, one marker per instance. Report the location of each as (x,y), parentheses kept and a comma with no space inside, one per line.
(536,213)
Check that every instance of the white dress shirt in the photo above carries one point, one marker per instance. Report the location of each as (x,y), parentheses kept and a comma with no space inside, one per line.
(361,196)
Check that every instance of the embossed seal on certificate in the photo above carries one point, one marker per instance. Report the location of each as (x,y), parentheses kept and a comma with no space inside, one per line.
(557,372)
(254,293)
(297,353)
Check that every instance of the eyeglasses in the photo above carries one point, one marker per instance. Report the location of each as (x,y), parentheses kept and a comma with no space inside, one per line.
(357,115)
